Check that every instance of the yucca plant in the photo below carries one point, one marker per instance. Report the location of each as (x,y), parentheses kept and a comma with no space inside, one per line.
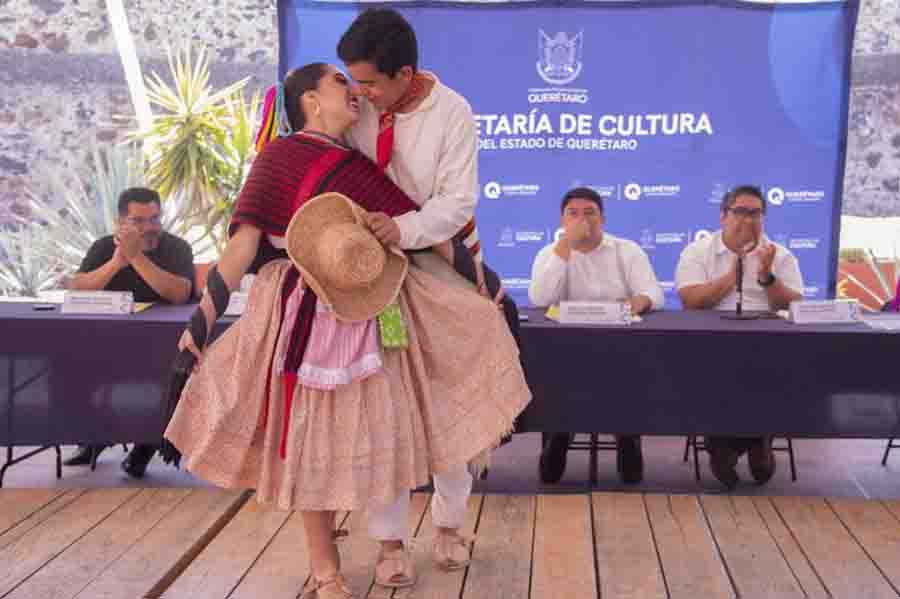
(26,268)
(236,158)
(201,141)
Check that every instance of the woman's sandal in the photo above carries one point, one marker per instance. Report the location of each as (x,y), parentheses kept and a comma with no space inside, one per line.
(394,569)
(330,588)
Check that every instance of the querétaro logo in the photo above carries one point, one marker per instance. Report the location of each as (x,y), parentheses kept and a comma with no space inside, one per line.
(718,192)
(702,234)
(632,192)
(670,238)
(492,190)
(559,57)
(776,196)
(530,236)
(804,243)
(635,191)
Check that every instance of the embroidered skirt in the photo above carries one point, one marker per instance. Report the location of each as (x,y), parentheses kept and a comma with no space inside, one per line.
(451,394)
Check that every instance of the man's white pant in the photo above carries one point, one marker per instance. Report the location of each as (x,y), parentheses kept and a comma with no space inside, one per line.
(449,503)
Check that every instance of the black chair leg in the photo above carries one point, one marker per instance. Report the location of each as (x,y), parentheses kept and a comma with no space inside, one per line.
(687,449)
(58,462)
(887,450)
(790,448)
(594,466)
(696,458)
(9,462)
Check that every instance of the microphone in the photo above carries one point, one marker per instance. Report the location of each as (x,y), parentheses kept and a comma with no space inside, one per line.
(739,313)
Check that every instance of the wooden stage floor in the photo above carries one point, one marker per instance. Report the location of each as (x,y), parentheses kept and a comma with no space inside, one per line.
(132,543)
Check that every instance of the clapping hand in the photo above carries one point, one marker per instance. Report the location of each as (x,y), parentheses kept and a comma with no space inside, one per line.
(129,242)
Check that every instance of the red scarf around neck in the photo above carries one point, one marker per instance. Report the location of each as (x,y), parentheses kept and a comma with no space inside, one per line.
(385,143)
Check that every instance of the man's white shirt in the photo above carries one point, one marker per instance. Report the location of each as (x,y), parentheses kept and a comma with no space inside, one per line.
(434,161)
(594,276)
(707,259)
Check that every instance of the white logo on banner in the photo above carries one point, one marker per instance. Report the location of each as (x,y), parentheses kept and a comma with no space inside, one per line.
(776,196)
(804,243)
(702,234)
(647,239)
(494,190)
(559,57)
(530,236)
(632,192)
(507,238)
(779,196)
(516,283)
(718,192)
(669,238)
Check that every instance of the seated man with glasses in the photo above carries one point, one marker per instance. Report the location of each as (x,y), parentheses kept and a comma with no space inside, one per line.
(142,258)
(589,264)
(706,278)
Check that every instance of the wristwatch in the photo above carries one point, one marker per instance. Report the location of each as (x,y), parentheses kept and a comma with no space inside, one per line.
(768,282)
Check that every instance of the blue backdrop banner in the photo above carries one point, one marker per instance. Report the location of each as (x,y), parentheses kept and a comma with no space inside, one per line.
(660,107)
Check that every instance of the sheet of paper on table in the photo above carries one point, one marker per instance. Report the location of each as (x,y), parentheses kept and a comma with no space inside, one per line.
(553,313)
(883,322)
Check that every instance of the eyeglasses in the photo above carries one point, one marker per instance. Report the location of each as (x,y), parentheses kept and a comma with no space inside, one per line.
(153,221)
(742,212)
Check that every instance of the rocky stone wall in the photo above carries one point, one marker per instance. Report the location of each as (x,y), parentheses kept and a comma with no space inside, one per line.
(62,86)
(872,175)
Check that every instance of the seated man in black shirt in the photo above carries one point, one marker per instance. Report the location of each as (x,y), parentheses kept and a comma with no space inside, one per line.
(142,258)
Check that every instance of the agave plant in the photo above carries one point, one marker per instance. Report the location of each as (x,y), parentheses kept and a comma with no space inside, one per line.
(26,268)
(201,142)
(77,211)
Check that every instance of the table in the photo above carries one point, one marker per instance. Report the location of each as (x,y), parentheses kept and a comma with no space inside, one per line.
(693,373)
(97,379)
(101,379)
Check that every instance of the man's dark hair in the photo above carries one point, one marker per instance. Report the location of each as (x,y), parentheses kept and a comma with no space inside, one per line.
(382,37)
(140,195)
(742,190)
(581,193)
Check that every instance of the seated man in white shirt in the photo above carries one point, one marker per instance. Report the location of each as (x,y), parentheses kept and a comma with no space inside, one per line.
(706,278)
(588,264)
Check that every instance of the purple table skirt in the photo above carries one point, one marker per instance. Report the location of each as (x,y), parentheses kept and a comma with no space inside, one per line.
(101,379)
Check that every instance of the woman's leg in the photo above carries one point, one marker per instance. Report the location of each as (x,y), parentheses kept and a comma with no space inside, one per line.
(323,554)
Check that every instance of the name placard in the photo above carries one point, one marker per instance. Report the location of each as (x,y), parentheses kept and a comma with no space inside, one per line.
(609,313)
(98,302)
(825,311)
(237,303)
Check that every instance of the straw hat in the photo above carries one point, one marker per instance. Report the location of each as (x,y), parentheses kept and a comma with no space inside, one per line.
(341,260)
